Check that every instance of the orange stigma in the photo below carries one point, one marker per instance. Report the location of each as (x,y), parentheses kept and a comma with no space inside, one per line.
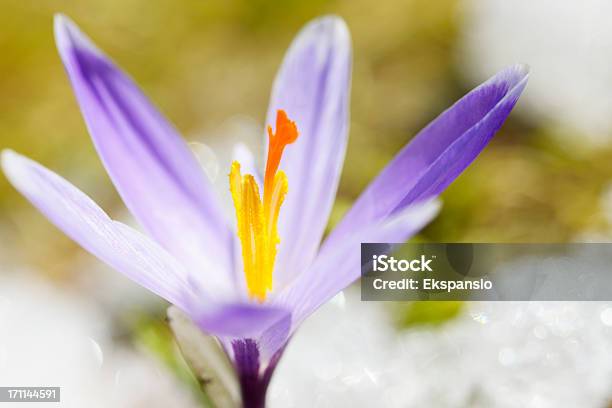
(256,219)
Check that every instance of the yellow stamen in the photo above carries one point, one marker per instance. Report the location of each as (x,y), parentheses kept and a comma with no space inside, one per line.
(256,218)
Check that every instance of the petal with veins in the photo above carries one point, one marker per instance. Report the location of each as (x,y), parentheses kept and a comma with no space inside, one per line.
(154,171)
(131,253)
(438,154)
(312,86)
(333,271)
(121,247)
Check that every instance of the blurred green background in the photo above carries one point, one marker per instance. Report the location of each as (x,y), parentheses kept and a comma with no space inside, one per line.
(203,62)
(206,61)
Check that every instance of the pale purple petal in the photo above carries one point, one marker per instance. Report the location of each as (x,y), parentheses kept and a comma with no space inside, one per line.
(312,86)
(240,320)
(275,338)
(156,174)
(271,341)
(132,253)
(124,249)
(334,270)
(438,154)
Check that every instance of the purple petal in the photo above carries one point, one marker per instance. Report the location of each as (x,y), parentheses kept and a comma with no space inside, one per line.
(156,174)
(131,253)
(312,86)
(121,247)
(439,153)
(275,338)
(271,341)
(334,270)
(241,320)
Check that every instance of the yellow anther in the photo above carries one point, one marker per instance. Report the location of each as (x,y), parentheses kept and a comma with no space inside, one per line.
(256,218)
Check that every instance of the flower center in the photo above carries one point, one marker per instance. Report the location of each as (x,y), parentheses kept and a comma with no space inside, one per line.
(256,218)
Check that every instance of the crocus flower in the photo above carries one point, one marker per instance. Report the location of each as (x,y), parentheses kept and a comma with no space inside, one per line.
(251,281)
